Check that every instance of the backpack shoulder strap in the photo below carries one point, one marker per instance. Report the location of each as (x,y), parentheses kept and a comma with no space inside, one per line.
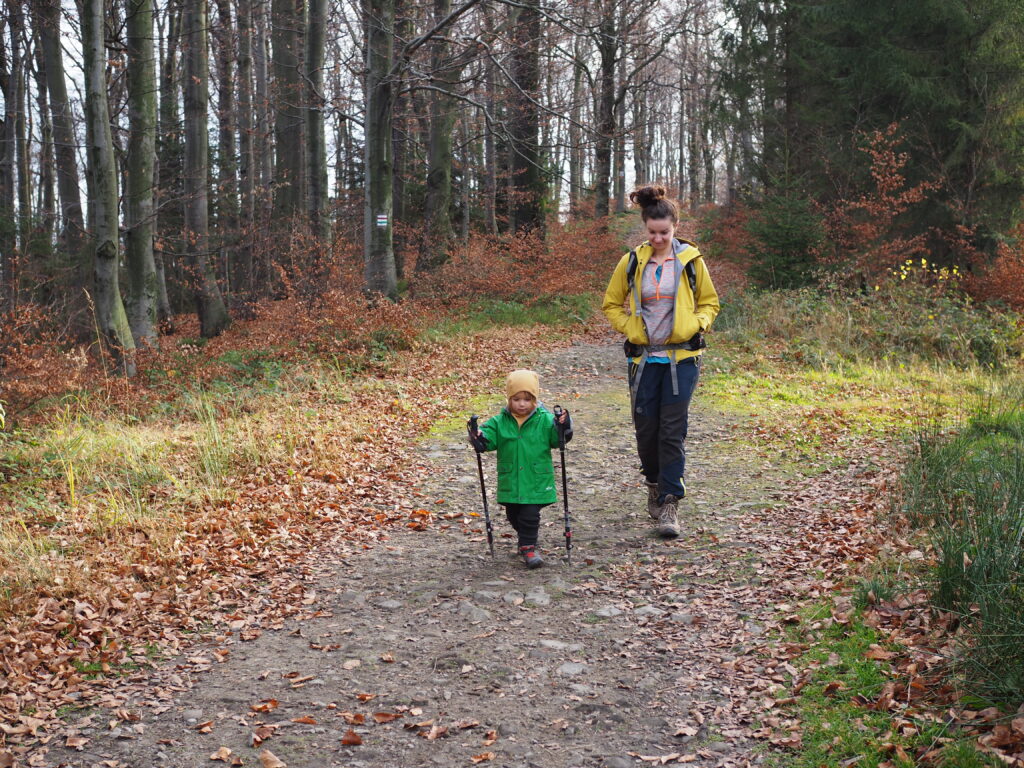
(631,266)
(691,277)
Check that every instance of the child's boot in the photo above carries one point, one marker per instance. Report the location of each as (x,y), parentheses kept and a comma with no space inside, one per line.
(531,557)
(653,508)
(668,518)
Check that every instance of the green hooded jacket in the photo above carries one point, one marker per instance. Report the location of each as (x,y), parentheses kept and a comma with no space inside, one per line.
(525,472)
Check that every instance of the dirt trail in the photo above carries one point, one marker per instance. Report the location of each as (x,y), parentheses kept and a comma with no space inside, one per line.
(640,648)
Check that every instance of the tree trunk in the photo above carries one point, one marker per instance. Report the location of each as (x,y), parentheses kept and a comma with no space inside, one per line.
(607,48)
(316,156)
(619,187)
(438,208)
(226,200)
(16,19)
(72,225)
(247,161)
(576,134)
(8,236)
(527,184)
(142,278)
(490,156)
(286,22)
(111,319)
(47,202)
(213,317)
(380,273)
(169,188)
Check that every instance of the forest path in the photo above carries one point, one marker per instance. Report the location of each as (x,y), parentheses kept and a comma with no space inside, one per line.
(642,647)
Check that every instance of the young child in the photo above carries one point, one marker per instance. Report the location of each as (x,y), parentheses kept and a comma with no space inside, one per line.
(523,434)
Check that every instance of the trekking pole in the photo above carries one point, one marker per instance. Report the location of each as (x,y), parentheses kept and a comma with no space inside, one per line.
(473,431)
(565,487)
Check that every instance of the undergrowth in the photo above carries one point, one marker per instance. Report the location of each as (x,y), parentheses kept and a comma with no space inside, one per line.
(965,487)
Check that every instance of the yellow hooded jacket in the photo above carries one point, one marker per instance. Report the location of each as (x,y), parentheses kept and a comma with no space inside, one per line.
(692,314)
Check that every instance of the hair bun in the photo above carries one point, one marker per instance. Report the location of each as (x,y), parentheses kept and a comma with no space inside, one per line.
(649,194)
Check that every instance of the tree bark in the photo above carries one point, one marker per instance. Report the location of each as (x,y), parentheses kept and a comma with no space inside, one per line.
(527,183)
(608,46)
(170,189)
(16,19)
(226,199)
(438,206)
(286,22)
(316,155)
(213,317)
(139,214)
(379,271)
(47,202)
(111,320)
(8,230)
(247,159)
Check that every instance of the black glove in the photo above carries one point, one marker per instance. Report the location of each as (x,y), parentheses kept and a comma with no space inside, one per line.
(475,438)
(632,350)
(564,430)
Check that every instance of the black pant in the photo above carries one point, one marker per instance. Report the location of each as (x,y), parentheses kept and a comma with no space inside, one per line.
(525,518)
(661,420)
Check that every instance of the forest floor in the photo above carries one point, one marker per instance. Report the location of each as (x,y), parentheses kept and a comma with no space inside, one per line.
(423,650)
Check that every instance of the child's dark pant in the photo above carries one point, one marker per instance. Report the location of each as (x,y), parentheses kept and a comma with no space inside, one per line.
(525,518)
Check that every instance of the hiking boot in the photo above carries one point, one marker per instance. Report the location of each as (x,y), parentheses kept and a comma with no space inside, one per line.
(530,557)
(653,508)
(668,519)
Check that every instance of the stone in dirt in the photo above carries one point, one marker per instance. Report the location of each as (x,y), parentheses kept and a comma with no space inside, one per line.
(390,605)
(538,597)
(647,610)
(473,612)
(608,612)
(682,618)
(571,668)
(514,597)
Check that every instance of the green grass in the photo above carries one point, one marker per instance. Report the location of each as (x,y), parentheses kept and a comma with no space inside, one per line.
(965,488)
(837,730)
(554,311)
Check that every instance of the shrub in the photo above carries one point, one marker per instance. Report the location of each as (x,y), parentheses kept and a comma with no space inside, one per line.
(787,238)
(967,488)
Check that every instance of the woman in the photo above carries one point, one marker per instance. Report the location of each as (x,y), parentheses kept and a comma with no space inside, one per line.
(662,299)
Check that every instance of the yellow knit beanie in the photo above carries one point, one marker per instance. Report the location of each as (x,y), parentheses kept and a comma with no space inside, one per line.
(523,381)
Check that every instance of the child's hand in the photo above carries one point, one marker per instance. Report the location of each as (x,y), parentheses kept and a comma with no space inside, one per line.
(476,439)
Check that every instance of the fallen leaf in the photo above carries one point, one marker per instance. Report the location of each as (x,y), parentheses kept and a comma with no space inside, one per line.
(435,732)
(221,754)
(482,757)
(265,705)
(205,727)
(366,696)
(351,663)
(464,724)
(385,717)
(269,760)
(387,658)
(305,720)
(353,719)
(351,739)
(490,737)
(74,742)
